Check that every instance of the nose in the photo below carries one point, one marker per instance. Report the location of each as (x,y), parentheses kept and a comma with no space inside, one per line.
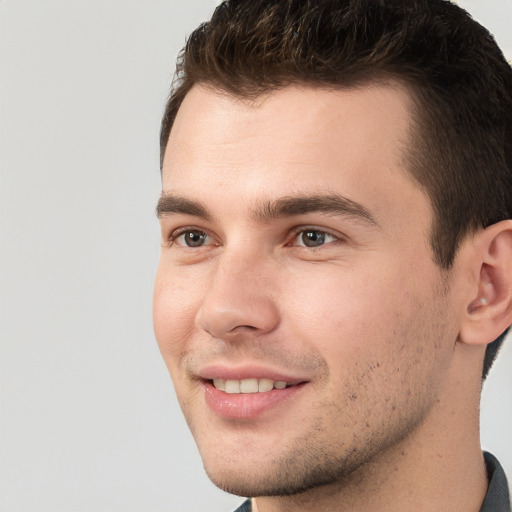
(240,298)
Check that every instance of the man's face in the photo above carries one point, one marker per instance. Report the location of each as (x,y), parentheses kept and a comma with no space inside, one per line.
(295,253)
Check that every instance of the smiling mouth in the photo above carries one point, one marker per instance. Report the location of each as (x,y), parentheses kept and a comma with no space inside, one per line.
(249,398)
(232,386)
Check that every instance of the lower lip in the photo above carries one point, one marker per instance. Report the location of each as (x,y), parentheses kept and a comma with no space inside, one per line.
(244,406)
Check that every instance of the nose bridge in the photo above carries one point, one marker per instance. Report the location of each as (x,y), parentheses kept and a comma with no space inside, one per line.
(240,294)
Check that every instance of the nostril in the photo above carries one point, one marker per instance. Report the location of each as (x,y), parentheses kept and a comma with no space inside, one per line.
(248,327)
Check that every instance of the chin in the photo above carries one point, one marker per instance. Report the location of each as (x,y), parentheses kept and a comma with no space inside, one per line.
(291,474)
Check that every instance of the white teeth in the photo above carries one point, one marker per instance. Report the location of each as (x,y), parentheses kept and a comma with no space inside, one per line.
(265,385)
(232,386)
(248,385)
(220,384)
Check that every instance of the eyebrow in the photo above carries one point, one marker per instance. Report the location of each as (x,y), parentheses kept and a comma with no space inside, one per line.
(331,204)
(174,204)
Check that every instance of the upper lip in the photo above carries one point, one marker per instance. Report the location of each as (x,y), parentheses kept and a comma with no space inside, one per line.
(219,371)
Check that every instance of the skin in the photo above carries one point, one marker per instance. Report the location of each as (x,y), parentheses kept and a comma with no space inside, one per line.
(365,319)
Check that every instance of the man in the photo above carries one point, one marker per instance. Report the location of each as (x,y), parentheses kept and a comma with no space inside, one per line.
(337,252)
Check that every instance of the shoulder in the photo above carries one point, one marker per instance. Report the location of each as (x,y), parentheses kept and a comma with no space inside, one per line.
(244,507)
(498,497)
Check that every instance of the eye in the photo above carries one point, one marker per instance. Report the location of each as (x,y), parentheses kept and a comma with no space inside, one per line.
(313,238)
(191,238)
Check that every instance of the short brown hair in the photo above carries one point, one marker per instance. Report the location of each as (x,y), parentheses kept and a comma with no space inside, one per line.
(458,78)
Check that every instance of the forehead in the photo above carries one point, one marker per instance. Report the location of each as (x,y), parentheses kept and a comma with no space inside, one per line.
(293,141)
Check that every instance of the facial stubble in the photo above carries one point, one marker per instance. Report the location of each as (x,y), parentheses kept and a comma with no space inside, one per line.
(319,459)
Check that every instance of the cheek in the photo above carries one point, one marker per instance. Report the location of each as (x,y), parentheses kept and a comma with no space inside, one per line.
(342,303)
(362,323)
(174,309)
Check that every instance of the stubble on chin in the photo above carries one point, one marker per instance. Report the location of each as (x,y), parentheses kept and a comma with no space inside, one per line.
(308,464)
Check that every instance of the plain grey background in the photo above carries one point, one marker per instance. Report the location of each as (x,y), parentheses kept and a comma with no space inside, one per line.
(89,421)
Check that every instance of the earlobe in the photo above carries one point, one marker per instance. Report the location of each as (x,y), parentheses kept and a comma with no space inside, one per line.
(489,311)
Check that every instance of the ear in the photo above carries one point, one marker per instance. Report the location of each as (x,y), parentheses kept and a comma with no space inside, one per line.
(489,309)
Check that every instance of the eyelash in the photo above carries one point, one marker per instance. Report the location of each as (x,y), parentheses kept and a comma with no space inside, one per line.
(300,231)
(175,235)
